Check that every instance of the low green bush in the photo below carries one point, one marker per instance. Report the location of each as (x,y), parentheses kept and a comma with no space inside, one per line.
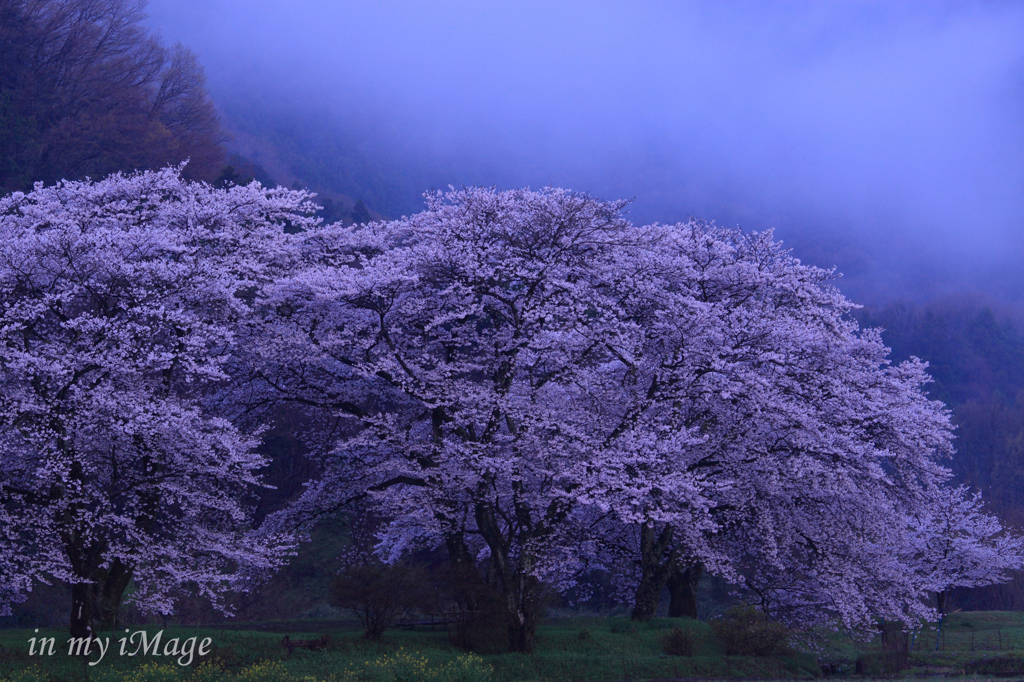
(997,665)
(680,642)
(745,631)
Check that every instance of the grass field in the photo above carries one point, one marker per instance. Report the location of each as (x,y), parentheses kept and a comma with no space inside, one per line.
(572,649)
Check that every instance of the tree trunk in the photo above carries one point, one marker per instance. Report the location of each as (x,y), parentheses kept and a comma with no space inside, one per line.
(521,635)
(522,593)
(645,601)
(657,563)
(525,605)
(941,601)
(81,610)
(95,605)
(475,609)
(112,595)
(458,553)
(682,589)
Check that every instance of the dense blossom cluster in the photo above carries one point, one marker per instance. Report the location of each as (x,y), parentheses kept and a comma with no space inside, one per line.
(954,543)
(531,380)
(117,306)
(522,377)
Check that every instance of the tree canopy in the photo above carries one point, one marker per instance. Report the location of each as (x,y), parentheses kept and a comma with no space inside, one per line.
(117,304)
(527,379)
(523,379)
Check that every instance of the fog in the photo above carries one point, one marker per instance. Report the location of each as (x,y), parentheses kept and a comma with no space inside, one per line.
(883,138)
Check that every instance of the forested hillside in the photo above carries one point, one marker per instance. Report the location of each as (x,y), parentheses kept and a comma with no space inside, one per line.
(85,90)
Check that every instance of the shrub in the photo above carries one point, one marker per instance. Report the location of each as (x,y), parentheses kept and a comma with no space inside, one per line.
(679,642)
(998,665)
(745,631)
(378,594)
(473,612)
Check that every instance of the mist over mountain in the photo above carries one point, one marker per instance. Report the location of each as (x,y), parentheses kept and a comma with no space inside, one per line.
(886,139)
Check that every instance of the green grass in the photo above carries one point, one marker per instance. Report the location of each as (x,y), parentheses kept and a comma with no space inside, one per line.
(569,649)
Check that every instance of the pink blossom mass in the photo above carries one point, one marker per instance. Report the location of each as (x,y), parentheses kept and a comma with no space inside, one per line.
(524,379)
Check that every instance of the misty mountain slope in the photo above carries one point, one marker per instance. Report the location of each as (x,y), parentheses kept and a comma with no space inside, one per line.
(343,157)
(312,149)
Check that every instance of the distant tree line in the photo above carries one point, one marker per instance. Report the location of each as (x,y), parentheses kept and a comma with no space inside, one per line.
(977,362)
(86,91)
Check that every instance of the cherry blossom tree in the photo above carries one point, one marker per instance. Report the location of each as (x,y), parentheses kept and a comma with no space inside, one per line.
(955,543)
(117,303)
(831,558)
(940,541)
(507,371)
(747,405)
(524,378)
(460,344)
